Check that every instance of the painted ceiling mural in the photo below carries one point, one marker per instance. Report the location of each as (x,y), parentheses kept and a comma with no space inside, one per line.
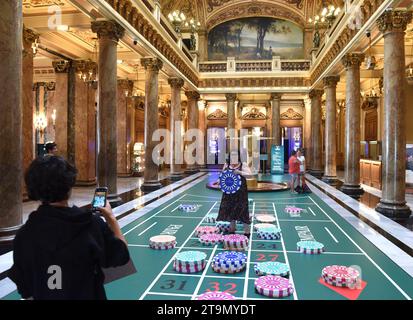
(213,12)
(256,39)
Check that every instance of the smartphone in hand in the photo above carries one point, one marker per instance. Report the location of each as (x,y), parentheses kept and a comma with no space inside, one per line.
(99,199)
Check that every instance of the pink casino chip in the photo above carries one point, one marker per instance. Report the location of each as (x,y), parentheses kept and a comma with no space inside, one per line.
(216,295)
(210,238)
(205,230)
(274,286)
(265,218)
(340,273)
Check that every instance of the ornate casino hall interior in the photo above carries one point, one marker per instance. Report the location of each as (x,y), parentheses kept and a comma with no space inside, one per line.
(109,82)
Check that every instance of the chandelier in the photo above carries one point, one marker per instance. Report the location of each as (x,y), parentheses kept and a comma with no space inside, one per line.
(328,13)
(35,46)
(177,18)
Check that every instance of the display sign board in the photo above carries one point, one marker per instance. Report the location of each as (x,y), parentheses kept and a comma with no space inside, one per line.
(277,159)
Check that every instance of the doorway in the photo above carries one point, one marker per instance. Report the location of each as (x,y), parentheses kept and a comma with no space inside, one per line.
(292,140)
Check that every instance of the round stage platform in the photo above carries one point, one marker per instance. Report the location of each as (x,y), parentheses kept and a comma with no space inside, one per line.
(260,186)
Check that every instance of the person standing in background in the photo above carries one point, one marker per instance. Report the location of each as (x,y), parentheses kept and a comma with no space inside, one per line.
(51,148)
(293,170)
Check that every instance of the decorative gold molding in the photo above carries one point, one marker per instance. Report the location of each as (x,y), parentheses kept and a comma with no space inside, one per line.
(61,66)
(249,9)
(254,114)
(353,60)
(152,64)
(290,114)
(218,115)
(42,3)
(254,82)
(176,83)
(108,29)
(192,95)
(394,21)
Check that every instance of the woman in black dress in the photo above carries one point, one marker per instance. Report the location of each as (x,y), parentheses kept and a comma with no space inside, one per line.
(234,207)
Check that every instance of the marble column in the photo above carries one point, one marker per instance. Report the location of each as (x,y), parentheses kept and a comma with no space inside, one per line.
(109,33)
(203,45)
(176,142)
(29,37)
(193,120)
(152,67)
(316,143)
(11,27)
(203,127)
(393,202)
(307,133)
(82,123)
(231,97)
(330,165)
(61,69)
(352,63)
(275,116)
(125,89)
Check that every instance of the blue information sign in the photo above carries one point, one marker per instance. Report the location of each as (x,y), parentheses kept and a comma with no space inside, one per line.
(277,159)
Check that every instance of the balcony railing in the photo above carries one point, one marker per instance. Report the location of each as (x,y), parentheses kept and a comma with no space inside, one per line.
(274,65)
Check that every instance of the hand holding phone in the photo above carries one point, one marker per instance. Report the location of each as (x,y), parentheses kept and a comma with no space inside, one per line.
(99,199)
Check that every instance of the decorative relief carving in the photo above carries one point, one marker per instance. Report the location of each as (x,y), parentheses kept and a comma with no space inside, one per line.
(152,64)
(394,20)
(177,83)
(192,95)
(110,29)
(353,59)
(254,114)
(61,66)
(42,3)
(255,82)
(290,114)
(248,10)
(331,81)
(218,115)
(215,3)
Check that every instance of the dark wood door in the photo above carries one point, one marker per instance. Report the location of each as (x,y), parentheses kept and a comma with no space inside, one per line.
(371,123)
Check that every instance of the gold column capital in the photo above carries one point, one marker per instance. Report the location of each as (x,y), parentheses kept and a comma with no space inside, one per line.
(353,60)
(176,83)
(108,29)
(192,95)
(231,96)
(152,64)
(84,66)
(331,81)
(316,93)
(29,36)
(276,96)
(394,21)
(61,66)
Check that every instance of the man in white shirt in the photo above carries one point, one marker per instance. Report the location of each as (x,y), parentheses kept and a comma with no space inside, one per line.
(301,158)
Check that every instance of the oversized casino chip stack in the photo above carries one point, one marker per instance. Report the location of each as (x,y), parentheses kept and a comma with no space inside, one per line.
(215,295)
(340,276)
(274,286)
(310,247)
(273,233)
(211,239)
(271,269)
(190,262)
(258,226)
(235,242)
(265,218)
(199,231)
(293,210)
(229,262)
(211,218)
(223,226)
(188,207)
(162,242)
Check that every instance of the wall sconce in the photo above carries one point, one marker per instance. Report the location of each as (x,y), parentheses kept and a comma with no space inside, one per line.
(40,123)
(54,118)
